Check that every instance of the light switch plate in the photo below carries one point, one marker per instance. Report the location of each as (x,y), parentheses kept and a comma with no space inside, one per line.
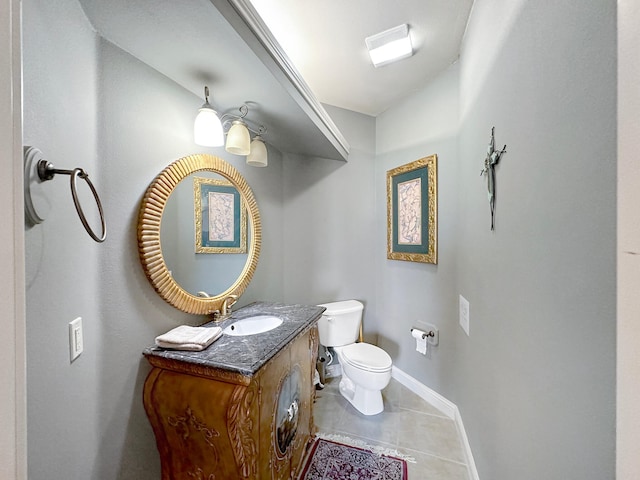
(76,342)
(464,314)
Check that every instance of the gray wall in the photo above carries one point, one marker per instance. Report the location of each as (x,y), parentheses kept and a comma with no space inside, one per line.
(330,222)
(535,380)
(62,262)
(90,104)
(411,294)
(537,376)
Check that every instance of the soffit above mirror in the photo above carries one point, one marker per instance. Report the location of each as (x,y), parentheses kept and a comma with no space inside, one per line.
(223,44)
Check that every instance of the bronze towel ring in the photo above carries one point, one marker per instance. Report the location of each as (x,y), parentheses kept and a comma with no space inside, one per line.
(46,171)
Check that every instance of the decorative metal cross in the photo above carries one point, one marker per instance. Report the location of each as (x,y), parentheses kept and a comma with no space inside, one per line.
(493,157)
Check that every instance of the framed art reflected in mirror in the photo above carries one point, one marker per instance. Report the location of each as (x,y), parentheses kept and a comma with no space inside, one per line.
(412,211)
(220,217)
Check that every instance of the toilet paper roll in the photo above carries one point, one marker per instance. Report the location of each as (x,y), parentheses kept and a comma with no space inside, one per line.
(421,340)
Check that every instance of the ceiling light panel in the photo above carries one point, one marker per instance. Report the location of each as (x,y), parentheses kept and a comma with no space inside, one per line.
(389,46)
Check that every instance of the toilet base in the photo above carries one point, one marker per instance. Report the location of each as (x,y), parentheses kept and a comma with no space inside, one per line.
(367,402)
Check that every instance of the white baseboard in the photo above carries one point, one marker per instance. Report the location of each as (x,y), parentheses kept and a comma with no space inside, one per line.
(424,392)
(447,407)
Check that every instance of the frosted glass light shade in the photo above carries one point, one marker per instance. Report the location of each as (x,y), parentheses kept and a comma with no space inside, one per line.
(238,139)
(390,45)
(207,128)
(258,155)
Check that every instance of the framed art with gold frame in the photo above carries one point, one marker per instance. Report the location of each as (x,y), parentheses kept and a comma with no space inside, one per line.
(220,217)
(412,211)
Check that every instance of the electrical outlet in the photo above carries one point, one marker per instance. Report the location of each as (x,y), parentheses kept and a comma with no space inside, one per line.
(76,343)
(463,305)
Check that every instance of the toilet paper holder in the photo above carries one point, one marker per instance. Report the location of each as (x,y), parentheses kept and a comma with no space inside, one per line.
(428,334)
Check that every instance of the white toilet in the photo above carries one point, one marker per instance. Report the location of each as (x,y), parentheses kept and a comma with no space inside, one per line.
(366,369)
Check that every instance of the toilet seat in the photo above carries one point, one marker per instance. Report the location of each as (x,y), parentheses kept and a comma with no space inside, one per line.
(367,357)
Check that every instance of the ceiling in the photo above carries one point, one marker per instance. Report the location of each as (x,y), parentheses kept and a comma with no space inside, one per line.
(214,42)
(318,56)
(325,41)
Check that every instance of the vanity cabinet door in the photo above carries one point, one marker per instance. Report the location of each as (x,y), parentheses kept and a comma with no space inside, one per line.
(273,464)
(286,419)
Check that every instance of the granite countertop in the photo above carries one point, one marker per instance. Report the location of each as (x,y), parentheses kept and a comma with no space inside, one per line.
(246,354)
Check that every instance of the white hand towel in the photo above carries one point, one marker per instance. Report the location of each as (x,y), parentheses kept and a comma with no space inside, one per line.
(185,337)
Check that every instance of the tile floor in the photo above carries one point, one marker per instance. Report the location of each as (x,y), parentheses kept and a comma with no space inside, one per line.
(408,424)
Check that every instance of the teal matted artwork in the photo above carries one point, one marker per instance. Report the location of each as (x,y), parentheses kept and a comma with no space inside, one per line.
(412,211)
(220,217)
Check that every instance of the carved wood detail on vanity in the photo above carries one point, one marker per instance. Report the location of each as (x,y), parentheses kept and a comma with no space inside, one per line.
(188,425)
(241,422)
(184,425)
(213,424)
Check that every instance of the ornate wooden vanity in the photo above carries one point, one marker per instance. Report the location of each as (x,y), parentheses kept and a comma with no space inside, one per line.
(242,408)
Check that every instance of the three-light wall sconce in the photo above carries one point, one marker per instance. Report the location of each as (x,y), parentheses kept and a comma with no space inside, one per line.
(209,131)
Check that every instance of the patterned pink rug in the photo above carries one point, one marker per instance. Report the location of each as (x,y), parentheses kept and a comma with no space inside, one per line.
(329,460)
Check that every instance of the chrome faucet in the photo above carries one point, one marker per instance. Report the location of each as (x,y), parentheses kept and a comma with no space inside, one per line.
(225,310)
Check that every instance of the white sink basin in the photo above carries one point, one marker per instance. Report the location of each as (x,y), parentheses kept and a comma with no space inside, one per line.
(253,325)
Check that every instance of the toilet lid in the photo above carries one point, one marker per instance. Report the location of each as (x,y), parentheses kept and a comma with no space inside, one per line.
(367,357)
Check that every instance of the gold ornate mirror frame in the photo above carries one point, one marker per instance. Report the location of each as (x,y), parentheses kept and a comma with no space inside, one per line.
(150,220)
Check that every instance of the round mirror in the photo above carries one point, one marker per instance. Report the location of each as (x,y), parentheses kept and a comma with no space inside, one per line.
(199,233)
(205,229)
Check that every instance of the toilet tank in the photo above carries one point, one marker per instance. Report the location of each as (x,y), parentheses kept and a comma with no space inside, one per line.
(340,323)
